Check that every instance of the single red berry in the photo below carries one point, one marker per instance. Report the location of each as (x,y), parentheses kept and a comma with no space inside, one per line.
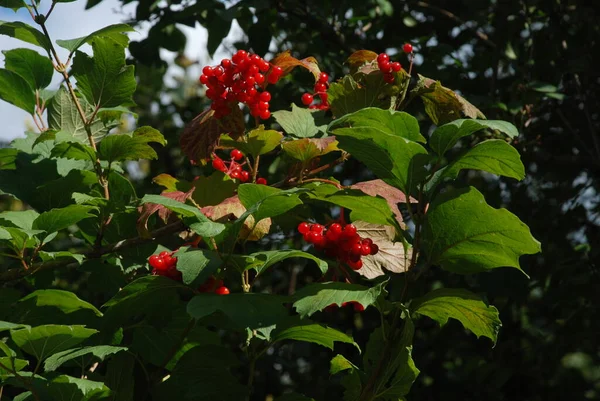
(261,181)
(203,79)
(350,230)
(239,56)
(382,57)
(155,261)
(385,67)
(236,154)
(314,237)
(323,77)
(336,228)
(358,306)
(218,164)
(365,249)
(226,63)
(356,249)
(367,241)
(320,87)
(277,70)
(263,105)
(355,265)
(389,78)
(163,254)
(307,99)
(407,48)
(244,176)
(218,71)
(323,96)
(374,249)
(235,175)
(265,96)
(317,228)
(396,66)
(208,71)
(303,227)
(264,114)
(259,78)
(222,290)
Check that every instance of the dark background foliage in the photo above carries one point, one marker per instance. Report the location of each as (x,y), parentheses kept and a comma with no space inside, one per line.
(530,62)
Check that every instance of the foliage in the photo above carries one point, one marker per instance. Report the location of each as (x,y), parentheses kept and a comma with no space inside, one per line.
(154,336)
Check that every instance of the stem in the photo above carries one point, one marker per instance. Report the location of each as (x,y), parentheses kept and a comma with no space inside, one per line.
(292,180)
(326,181)
(22,380)
(250,381)
(255,168)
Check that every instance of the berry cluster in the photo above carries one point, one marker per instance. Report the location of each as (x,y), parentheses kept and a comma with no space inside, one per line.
(387,67)
(164,264)
(215,286)
(240,80)
(234,169)
(320,92)
(339,241)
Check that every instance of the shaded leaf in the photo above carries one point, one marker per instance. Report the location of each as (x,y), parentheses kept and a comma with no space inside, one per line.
(258,141)
(46,340)
(66,301)
(98,352)
(307,331)
(214,189)
(261,261)
(59,219)
(197,266)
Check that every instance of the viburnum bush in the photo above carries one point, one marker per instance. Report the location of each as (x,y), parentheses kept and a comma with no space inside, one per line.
(108,293)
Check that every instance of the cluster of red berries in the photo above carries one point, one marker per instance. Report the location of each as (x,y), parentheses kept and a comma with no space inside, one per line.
(235,170)
(387,67)
(240,79)
(214,285)
(164,264)
(339,241)
(320,92)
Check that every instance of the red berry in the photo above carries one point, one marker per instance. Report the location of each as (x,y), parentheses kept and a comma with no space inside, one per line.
(265,96)
(323,96)
(259,78)
(263,105)
(355,265)
(203,79)
(389,78)
(244,176)
(163,254)
(336,228)
(367,241)
(264,114)
(236,154)
(358,306)
(317,228)
(303,227)
(385,67)
(307,99)
(156,262)
(218,164)
(407,48)
(396,66)
(323,77)
(356,249)
(320,87)
(225,63)
(365,250)
(349,229)
(382,57)
(235,175)
(261,181)
(374,249)
(222,290)
(314,237)
(239,56)
(208,71)
(277,71)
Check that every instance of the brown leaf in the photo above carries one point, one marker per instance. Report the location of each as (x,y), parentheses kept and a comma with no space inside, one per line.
(391,255)
(148,209)
(392,195)
(201,135)
(231,209)
(287,62)
(360,57)
(307,149)
(443,105)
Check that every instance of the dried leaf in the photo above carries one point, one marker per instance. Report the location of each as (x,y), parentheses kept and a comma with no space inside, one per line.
(201,135)
(287,63)
(443,105)
(360,57)
(391,255)
(308,148)
(231,209)
(392,195)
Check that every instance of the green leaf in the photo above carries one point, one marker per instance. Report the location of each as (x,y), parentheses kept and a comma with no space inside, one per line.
(385,122)
(67,388)
(494,156)
(316,297)
(114,32)
(13,365)
(64,117)
(197,221)
(22,219)
(46,340)
(105,80)
(10,326)
(307,331)
(59,219)
(15,5)
(300,122)
(48,256)
(339,363)
(24,32)
(348,96)
(213,189)
(74,151)
(36,69)
(263,201)
(15,90)
(396,160)
(258,141)
(307,149)
(66,301)
(363,207)
(464,235)
(246,310)
(462,305)
(98,352)
(120,376)
(197,266)
(446,136)
(261,261)
(125,147)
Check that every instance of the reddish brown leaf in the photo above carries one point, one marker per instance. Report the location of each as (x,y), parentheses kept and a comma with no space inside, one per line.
(287,63)
(392,195)
(231,209)
(148,209)
(201,135)
(391,255)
